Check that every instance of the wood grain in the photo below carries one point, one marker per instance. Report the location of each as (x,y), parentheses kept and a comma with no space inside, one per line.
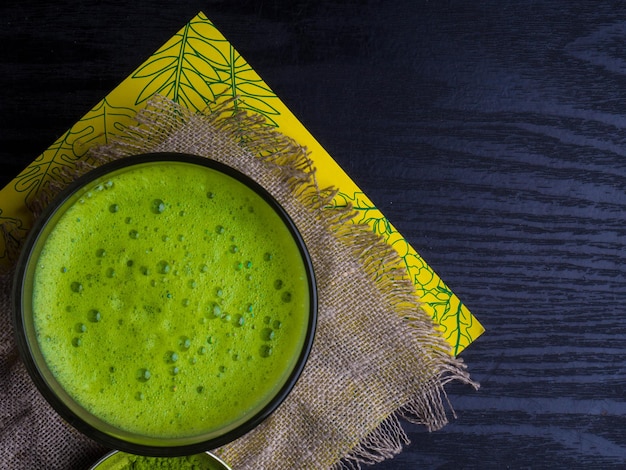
(491,134)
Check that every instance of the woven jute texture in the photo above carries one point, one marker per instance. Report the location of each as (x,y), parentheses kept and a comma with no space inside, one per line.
(377,357)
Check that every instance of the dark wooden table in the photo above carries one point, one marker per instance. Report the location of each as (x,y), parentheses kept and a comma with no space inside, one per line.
(491,134)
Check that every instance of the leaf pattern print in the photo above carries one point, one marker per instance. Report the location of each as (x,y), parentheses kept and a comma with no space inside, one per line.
(180,72)
(444,307)
(252,92)
(199,67)
(95,127)
(366,212)
(103,122)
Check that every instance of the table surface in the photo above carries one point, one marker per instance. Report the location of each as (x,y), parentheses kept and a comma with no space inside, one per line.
(491,134)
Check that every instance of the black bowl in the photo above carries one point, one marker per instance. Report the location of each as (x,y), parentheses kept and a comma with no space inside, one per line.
(40,308)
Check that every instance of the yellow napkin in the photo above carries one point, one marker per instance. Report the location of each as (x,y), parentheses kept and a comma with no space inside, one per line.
(195,68)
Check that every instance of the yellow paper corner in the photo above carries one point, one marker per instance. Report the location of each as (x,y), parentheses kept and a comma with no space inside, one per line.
(214,71)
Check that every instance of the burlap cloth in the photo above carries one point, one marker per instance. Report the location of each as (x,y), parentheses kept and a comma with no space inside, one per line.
(377,357)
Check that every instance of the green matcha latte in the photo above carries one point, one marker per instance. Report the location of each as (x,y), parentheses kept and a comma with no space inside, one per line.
(170,301)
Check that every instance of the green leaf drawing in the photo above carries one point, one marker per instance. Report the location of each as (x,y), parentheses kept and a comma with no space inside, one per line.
(103,122)
(454,318)
(366,212)
(446,309)
(199,67)
(48,166)
(96,126)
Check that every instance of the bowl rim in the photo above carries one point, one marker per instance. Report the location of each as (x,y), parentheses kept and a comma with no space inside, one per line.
(38,376)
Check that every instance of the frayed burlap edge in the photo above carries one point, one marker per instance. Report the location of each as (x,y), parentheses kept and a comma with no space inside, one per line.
(291,164)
